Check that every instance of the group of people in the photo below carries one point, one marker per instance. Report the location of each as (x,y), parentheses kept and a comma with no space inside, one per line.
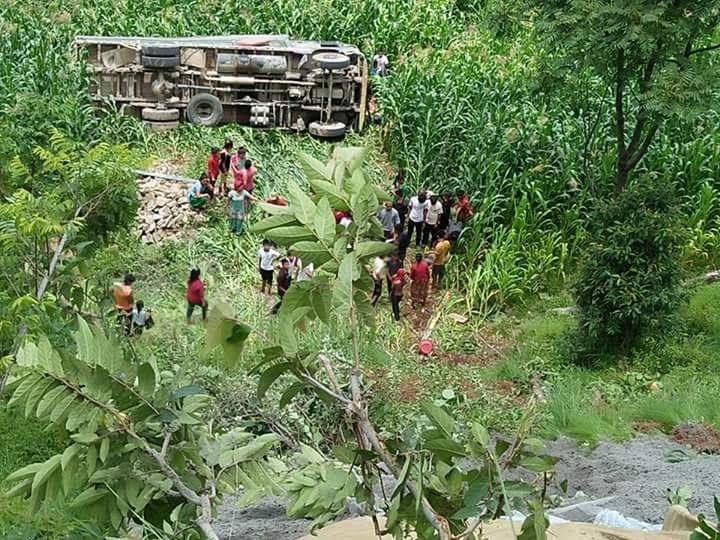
(228,174)
(132,316)
(231,175)
(435,222)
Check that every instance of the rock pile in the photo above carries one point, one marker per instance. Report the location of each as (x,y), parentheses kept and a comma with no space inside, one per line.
(164,211)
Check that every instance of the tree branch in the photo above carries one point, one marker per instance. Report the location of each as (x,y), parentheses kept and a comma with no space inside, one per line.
(635,159)
(703,50)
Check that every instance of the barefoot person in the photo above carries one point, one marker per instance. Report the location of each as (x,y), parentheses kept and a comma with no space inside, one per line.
(419,281)
(266,260)
(195,295)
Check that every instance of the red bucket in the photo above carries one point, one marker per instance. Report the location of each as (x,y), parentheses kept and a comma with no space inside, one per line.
(426,347)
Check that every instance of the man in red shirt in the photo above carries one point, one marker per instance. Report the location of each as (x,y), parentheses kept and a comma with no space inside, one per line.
(420,278)
(213,165)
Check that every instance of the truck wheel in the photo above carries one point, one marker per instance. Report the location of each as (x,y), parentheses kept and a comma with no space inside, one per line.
(205,110)
(330,130)
(160,61)
(160,115)
(161,126)
(331,60)
(160,50)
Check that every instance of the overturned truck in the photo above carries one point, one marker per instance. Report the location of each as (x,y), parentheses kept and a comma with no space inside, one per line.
(260,81)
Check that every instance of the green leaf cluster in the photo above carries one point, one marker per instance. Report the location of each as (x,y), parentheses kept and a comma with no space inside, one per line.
(117,412)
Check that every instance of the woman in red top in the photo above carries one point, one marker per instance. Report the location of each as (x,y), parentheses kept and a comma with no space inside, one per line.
(464,208)
(397,282)
(420,277)
(195,295)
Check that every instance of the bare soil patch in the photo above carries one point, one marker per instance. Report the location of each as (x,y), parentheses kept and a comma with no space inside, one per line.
(699,436)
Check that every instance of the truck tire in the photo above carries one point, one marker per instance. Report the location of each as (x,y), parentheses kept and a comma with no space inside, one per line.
(160,49)
(204,110)
(160,61)
(331,60)
(160,115)
(161,126)
(329,130)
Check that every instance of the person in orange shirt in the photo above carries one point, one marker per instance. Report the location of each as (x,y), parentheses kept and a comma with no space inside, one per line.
(442,250)
(123,297)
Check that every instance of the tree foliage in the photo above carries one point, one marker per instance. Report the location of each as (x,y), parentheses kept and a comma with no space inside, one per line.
(63,204)
(630,280)
(140,453)
(435,495)
(656,56)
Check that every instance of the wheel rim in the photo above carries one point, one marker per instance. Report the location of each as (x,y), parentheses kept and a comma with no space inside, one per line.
(204,111)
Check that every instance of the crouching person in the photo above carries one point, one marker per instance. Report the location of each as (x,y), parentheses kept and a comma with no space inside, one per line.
(141,319)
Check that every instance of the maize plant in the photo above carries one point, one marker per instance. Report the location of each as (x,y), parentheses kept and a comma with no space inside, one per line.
(140,455)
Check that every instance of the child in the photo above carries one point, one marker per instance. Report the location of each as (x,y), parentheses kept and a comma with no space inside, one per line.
(283,282)
(141,319)
(420,279)
(266,257)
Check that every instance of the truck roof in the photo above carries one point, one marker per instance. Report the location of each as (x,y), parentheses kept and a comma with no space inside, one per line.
(268,42)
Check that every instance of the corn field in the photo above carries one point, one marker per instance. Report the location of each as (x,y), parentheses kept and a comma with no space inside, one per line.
(468,107)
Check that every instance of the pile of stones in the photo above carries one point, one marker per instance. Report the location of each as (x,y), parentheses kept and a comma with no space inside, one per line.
(164,212)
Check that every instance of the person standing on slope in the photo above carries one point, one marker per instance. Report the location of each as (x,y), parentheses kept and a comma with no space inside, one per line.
(419,206)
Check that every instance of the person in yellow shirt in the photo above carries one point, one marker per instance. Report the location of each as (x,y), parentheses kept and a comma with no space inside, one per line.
(442,250)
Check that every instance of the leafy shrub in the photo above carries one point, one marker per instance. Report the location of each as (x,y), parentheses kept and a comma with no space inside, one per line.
(629,281)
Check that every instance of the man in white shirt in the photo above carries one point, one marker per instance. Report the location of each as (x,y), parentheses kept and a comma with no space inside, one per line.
(380,64)
(431,231)
(266,265)
(418,210)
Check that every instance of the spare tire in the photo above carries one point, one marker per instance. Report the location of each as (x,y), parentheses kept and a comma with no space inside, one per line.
(204,110)
(331,60)
(160,115)
(329,130)
(160,49)
(160,61)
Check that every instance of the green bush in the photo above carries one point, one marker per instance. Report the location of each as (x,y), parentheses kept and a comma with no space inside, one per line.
(629,281)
